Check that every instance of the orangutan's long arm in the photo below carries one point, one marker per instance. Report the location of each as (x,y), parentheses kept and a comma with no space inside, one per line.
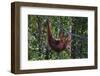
(49,28)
